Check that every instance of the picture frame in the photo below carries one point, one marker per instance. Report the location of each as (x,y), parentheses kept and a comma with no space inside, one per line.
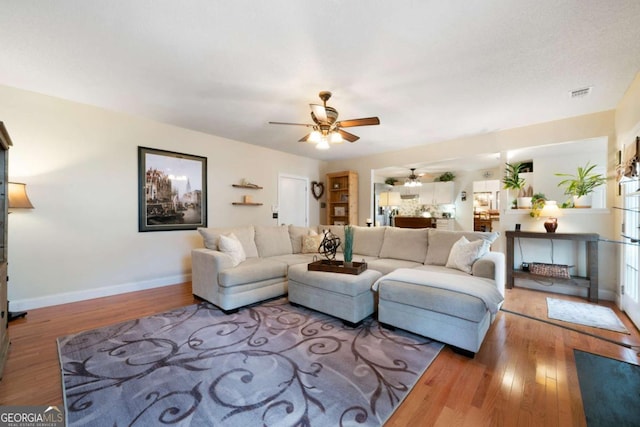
(340,211)
(172,190)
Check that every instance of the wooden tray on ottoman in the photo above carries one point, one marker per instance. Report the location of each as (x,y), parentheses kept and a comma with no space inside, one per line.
(337,267)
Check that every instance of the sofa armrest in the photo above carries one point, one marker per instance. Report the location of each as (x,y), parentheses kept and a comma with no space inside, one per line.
(206,264)
(491,266)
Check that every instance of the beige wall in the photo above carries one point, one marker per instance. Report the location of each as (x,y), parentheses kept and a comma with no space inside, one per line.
(80,166)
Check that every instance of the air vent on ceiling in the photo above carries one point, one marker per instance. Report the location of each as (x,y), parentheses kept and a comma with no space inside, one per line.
(581,93)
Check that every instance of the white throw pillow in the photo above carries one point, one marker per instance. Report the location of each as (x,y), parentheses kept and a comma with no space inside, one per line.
(310,244)
(464,253)
(230,245)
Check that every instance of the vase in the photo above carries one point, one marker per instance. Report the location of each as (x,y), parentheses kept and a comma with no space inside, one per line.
(582,201)
(524,202)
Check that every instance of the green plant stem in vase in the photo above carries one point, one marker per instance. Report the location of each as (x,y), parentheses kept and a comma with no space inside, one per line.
(348,245)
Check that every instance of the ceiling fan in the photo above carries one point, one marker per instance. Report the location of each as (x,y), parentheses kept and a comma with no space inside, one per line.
(413,180)
(325,126)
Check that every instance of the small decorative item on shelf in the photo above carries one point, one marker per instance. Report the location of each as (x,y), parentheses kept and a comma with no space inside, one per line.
(348,246)
(247,199)
(339,211)
(245,183)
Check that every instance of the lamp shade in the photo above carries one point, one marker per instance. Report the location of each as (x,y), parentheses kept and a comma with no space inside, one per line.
(550,209)
(18,198)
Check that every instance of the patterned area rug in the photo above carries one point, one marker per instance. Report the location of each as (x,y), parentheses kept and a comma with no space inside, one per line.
(585,314)
(271,364)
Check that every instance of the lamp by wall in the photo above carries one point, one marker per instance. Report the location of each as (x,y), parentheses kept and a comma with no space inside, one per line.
(18,198)
(551,211)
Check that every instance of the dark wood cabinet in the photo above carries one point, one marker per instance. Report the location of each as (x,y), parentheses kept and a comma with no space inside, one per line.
(5,143)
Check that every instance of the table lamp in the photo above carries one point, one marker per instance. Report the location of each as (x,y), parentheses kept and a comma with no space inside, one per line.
(551,212)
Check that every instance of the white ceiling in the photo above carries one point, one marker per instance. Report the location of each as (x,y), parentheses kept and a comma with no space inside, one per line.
(431,70)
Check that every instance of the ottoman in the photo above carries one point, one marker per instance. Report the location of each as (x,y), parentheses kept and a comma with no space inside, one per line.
(346,296)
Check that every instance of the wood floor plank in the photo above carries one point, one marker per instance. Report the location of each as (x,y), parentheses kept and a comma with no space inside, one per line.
(524,374)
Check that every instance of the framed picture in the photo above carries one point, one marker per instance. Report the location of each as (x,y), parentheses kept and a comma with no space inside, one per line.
(172,190)
(340,211)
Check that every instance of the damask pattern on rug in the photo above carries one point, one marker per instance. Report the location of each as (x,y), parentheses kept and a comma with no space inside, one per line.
(270,364)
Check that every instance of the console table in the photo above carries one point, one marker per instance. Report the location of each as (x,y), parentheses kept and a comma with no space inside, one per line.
(590,239)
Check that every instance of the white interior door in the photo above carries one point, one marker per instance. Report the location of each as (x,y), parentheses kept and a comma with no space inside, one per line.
(630,299)
(293,200)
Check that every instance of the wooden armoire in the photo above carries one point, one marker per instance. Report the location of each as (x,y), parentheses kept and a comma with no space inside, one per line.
(5,143)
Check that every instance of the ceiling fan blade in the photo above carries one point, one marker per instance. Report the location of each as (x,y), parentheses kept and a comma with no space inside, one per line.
(348,136)
(368,121)
(319,112)
(293,124)
(305,138)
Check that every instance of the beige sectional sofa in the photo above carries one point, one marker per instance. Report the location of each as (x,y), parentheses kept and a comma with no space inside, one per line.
(423,253)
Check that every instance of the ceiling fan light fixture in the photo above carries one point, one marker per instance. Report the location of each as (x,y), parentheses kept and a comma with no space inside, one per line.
(315,137)
(323,144)
(413,180)
(336,138)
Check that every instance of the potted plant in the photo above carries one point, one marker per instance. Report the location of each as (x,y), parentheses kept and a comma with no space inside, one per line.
(348,246)
(445,177)
(538,201)
(581,185)
(513,181)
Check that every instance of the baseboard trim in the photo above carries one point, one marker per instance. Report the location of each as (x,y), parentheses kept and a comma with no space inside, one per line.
(68,297)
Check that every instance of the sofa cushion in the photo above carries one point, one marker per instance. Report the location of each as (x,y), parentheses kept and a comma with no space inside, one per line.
(252,270)
(295,235)
(464,253)
(367,240)
(230,245)
(405,243)
(441,241)
(434,299)
(387,265)
(244,234)
(273,240)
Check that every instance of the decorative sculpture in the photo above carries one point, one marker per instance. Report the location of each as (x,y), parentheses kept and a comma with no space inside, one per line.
(329,245)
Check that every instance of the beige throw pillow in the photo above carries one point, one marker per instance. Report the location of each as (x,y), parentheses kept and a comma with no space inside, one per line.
(310,244)
(230,245)
(464,253)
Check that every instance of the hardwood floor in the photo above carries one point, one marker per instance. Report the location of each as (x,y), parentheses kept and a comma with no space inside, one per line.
(524,374)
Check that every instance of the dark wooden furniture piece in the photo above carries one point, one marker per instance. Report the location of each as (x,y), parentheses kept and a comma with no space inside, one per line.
(413,222)
(5,143)
(590,239)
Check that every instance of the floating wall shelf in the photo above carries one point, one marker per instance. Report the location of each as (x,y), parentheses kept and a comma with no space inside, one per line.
(247,186)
